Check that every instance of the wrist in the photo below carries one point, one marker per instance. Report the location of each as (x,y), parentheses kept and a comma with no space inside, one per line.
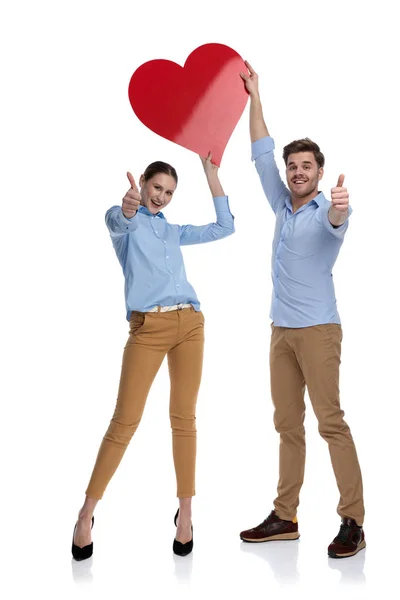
(129,216)
(337,217)
(255,96)
(212,178)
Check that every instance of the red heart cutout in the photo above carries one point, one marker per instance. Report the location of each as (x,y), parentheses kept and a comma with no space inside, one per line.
(197,106)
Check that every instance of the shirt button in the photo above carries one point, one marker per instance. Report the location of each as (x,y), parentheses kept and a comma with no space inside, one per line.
(156,231)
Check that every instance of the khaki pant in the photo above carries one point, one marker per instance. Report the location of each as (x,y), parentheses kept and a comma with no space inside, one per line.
(310,356)
(180,335)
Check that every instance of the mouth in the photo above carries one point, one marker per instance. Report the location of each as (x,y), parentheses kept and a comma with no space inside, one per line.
(155,203)
(299,181)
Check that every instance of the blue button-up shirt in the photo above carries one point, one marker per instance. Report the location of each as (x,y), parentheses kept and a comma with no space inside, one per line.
(305,248)
(148,249)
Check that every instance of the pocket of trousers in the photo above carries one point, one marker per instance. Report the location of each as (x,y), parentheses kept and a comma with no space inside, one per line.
(334,331)
(136,322)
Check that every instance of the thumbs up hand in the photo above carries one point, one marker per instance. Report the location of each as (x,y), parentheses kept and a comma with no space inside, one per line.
(131,200)
(340,196)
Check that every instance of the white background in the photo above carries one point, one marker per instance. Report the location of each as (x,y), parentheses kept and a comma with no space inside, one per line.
(328,70)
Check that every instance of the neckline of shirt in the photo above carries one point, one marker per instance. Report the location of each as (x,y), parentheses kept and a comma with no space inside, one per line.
(145,211)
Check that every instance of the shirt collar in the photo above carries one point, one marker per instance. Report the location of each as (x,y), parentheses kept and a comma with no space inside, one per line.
(145,211)
(318,200)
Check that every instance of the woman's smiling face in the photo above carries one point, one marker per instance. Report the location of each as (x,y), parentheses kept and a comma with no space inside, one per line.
(157,191)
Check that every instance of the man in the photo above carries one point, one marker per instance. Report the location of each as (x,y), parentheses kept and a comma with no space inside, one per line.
(306,330)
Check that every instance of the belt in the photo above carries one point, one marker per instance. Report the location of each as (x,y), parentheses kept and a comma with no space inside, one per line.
(169,308)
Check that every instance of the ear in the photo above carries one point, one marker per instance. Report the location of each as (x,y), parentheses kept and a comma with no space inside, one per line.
(320,173)
(141,181)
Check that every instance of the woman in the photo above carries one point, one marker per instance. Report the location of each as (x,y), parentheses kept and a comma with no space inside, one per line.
(165,319)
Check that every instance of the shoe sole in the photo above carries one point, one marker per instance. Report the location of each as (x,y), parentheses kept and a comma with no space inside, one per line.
(360,547)
(271,538)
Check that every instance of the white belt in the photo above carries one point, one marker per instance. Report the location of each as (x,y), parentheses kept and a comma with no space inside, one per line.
(169,308)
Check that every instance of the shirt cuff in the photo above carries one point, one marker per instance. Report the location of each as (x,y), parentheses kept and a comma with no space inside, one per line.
(128,224)
(262,146)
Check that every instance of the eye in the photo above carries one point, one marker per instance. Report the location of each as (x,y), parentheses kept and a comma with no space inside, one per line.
(306,166)
(169,193)
(157,187)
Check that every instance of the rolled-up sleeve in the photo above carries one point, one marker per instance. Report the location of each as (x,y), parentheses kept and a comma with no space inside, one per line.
(118,224)
(262,153)
(201,234)
(262,146)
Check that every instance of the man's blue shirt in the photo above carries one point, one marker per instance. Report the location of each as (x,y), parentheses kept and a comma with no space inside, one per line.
(305,248)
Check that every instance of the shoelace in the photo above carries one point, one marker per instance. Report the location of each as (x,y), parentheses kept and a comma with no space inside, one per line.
(343,534)
(265,523)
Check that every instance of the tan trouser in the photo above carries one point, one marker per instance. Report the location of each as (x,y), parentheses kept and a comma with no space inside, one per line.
(310,356)
(180,335)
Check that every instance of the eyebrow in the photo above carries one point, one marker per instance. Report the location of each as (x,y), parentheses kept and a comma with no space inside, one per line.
(304,162)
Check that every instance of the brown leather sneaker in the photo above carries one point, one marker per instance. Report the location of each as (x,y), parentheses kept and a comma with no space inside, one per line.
(273,528)
(348,541)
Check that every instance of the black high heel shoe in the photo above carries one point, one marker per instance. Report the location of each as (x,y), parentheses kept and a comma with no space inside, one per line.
(82,553)
(178,547)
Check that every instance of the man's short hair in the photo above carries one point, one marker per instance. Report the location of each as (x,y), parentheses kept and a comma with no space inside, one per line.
(304,145)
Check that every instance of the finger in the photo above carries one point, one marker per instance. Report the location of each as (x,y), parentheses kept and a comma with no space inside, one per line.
(130,204)
(209,156)
(131,201)
(126,208)
(340,181)
(132,181)
(250,68)
(244,76)
(133,195)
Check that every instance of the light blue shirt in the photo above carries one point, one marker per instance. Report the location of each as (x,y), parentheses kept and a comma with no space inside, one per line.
(305,248)
(149,251)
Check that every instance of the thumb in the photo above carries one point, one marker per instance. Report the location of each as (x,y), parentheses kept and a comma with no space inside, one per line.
(340,181)
(132,181)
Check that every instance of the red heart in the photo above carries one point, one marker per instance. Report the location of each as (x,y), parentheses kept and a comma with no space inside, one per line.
(197,106)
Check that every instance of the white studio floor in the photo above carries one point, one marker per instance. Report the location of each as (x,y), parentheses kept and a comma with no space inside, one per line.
(132,560)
